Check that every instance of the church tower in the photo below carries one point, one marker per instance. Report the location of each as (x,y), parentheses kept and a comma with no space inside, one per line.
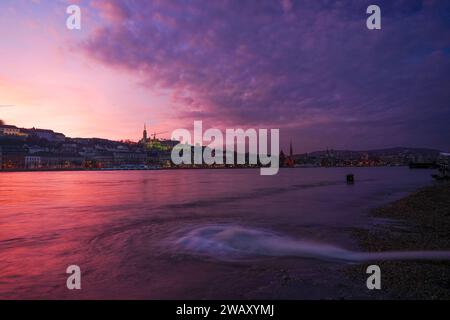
(144,134)
(289,160)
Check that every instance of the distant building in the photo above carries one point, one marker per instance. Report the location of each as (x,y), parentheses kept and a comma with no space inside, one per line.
(444,159)
(48,135)
(144,139)
(129,157)
(13,157)
(289,161)
(8,130)
(34,149)
(32,162)
(50,160)
(104,159)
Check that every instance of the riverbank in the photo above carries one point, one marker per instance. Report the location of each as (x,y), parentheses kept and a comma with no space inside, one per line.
(420,221)
(179,168)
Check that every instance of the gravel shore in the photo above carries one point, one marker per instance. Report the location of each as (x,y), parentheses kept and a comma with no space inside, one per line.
(420,221)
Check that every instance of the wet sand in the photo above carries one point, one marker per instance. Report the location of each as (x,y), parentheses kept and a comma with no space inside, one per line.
(420,221)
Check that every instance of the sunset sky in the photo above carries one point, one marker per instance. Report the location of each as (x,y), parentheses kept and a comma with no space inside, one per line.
(310,68)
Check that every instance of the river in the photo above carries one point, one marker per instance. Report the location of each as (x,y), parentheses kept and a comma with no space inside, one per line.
(189,234)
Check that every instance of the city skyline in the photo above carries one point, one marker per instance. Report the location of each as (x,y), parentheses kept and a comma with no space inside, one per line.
(277,64)
(146,136)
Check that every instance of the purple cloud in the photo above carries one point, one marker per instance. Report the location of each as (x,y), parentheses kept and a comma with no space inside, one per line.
(309,67)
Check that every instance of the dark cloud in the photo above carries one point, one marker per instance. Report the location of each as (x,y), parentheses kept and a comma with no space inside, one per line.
(309,67)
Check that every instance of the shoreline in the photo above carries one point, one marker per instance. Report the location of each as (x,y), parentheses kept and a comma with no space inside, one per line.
(158,169)
(419,221)
(112,169)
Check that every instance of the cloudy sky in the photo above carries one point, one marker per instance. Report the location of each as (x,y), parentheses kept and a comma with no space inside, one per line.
(308,67)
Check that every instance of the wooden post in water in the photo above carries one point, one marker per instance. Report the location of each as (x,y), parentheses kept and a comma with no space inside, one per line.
(350,179)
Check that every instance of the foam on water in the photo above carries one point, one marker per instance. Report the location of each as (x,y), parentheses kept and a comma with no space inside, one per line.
(239,242)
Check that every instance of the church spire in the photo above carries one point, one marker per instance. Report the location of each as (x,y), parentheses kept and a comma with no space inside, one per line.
(144,133)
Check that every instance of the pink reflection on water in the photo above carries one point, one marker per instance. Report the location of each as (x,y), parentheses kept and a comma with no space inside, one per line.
(115,226)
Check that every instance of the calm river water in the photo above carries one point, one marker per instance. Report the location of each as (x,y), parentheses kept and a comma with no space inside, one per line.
(189,234)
